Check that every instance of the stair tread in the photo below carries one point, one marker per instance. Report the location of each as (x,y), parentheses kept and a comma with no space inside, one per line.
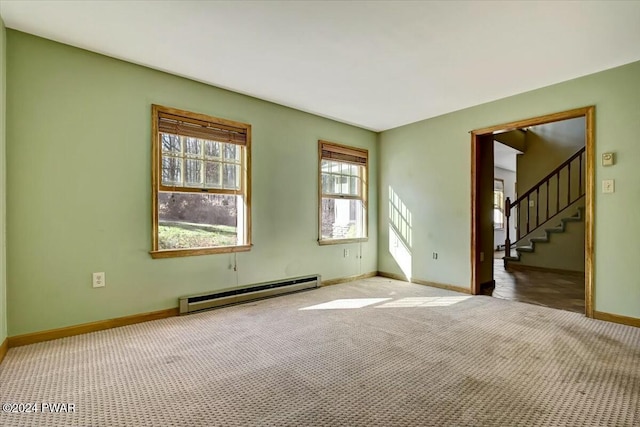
(572,219)
(539,239)
(554,230)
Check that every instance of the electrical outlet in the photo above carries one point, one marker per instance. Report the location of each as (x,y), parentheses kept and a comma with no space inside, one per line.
(435,255)
(346,253)
(532,203)
(99,280)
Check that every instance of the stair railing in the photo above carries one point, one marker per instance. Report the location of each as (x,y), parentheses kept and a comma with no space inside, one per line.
(562,177)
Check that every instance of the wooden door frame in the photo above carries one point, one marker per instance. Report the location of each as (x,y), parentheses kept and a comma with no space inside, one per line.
(589,114)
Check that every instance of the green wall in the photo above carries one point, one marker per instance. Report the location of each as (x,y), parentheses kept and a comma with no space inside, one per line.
(79,189)
(428,165)
(548,146)
(3,192)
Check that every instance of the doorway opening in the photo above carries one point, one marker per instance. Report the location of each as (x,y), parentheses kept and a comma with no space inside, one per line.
(531,209)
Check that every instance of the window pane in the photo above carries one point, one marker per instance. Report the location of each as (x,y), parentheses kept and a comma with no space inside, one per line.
(342,219)
(231,152)
(213,178)
(212,149)
(343,184)
(193,173)
(193,220)
(354,186)
(231,176)
(171,171)
(170,143)
(192,147)
(326,183)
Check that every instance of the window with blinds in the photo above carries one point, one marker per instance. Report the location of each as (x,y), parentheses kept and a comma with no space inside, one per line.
(201,184)
(342,202)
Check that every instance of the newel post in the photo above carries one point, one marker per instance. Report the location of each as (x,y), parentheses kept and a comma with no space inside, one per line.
(507,242)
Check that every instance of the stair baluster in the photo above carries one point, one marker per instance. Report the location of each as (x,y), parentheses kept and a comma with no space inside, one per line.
(507,242)
(537,207)
(569,184)
(547,205)
(558,191)
(528,212)
(580,174)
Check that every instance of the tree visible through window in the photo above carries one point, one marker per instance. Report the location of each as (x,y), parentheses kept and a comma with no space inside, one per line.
(343,193)
(201,184)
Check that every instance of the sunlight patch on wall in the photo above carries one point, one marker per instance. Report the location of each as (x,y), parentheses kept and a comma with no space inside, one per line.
(400,217)
(400,233)
(400,252)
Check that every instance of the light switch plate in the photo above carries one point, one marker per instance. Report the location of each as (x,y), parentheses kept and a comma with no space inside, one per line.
(99,280)
(608,159)
(608,186)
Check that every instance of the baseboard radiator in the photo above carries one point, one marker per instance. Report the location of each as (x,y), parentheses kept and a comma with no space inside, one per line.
(207,301)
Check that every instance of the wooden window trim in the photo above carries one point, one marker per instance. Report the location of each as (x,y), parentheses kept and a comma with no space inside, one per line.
(174,253)
(327,242)
(156,186)
(359,157)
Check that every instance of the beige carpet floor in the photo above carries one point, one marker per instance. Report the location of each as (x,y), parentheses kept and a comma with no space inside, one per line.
(376,352)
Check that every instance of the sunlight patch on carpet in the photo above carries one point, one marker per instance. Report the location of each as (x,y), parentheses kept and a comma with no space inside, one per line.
(340,304)
(423,302)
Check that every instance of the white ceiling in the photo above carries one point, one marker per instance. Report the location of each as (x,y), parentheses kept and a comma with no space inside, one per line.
(375,64)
